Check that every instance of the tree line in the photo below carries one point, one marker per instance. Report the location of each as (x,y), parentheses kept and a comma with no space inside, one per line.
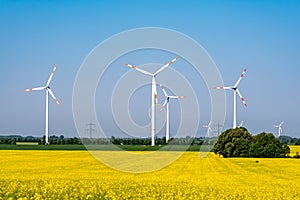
(162,141)
(13,139)
(53,139)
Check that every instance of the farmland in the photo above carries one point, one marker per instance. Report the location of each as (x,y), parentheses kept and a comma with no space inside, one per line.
(36,174)
(294,150)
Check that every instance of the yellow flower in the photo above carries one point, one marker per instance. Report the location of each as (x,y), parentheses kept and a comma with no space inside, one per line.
(77,175)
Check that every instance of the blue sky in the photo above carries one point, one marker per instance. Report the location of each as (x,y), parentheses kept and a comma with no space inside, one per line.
(262,36)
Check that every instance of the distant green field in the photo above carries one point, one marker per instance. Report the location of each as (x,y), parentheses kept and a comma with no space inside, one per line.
(27,143)
(107,147)
(41,147)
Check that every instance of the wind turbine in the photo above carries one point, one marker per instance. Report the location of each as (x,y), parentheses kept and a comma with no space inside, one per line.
(153,93)
(235,90)
(241,124)
(48,91)
(168,97)
(209,129)
(279,128)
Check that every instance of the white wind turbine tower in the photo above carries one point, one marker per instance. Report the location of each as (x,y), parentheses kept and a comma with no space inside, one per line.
(279,128)
(168,97)
(209,129)
(153,93)
(48,90)
(235,90)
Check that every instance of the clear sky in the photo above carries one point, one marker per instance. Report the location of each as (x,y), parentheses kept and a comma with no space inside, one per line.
(263,36)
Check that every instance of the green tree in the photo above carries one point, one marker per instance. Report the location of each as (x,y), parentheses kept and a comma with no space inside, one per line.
(265,145)
(234,143)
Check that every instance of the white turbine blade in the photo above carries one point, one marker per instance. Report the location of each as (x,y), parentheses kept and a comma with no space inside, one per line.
(163,106)
(166,65)
(276,126)
(243,100)
(281,123)
(242,75)
(163,89)
(138,69)
(54,98)
(30,89)
(51,75)
(205,126)
(222,88)
(176,97)
(241,124)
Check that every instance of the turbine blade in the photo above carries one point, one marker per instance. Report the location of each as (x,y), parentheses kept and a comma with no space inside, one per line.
(243,100)
(223,88)
(164,104)
(177,97)
(166,65)
(51,75)
(30,89)
(54,98)
(241,124)
(163,89)
(281,123)
(242,75)
(138,69)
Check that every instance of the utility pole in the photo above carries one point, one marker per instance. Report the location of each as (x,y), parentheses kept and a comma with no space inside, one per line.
(91,129)
(219,127)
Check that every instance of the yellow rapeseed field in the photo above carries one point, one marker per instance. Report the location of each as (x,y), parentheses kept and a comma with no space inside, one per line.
(78,175)
(294,150)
